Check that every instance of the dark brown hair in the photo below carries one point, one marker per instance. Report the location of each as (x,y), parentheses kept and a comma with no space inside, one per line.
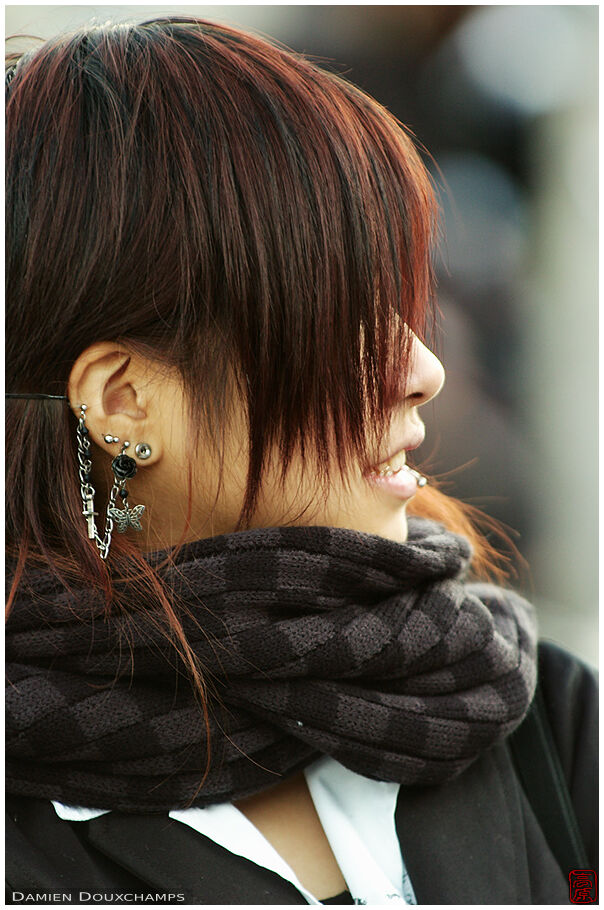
(226,206)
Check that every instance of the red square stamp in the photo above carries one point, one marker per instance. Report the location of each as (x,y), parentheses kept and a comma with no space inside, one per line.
(583,886)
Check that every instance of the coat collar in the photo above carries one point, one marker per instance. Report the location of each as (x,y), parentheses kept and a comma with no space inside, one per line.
(171,858)
(466,842)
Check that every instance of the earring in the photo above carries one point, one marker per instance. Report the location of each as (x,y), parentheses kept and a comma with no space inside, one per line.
(123,468)
(87,491)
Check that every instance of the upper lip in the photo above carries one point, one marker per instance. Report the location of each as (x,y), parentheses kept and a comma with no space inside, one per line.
(413,442)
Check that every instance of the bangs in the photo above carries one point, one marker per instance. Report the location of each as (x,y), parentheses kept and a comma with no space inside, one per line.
(334,223)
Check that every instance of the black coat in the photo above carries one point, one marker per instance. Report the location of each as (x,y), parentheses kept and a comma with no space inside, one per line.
(474,840)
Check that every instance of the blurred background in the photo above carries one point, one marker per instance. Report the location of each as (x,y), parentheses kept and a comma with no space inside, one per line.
(505,100)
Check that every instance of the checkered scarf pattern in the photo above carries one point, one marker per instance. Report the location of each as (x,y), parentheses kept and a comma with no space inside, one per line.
(312,640)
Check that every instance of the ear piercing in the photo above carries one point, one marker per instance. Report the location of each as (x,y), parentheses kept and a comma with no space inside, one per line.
(143,450)
(124,467)
(84,468)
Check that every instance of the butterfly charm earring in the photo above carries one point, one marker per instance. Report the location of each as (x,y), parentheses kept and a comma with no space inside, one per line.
(124,468)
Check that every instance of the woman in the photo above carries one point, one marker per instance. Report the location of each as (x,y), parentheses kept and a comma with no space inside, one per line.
(252,656)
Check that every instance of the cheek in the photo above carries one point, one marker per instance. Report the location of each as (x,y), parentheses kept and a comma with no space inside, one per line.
(301,499)
(363,507)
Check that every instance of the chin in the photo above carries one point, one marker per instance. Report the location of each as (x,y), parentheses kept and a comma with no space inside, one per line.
(392,526)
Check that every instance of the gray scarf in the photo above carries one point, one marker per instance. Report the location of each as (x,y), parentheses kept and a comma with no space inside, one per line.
(312,640)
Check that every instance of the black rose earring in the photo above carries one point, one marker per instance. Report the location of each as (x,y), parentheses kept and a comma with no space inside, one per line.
(124,468)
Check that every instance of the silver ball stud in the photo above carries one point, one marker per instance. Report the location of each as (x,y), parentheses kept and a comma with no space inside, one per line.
(143,450)
(109,438)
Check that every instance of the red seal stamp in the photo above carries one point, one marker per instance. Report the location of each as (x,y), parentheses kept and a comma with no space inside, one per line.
(583,886)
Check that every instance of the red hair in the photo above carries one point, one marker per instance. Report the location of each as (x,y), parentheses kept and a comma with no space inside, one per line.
(230,209)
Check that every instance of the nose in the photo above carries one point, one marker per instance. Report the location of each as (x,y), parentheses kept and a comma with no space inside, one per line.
(426,375)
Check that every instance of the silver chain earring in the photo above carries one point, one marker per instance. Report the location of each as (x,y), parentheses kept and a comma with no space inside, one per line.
(123,468)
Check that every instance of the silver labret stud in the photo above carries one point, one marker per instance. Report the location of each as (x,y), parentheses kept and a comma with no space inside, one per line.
(421,480)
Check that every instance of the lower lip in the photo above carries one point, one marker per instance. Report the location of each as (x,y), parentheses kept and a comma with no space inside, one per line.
(403,484)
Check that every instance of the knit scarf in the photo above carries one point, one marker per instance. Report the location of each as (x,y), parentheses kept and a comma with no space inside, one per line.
(312,640)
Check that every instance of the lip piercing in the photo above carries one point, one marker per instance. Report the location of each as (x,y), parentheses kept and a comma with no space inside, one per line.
(421,480)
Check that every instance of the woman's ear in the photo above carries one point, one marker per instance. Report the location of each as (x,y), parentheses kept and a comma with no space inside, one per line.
(117,387)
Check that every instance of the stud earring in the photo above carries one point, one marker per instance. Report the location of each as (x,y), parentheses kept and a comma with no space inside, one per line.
(143,450)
